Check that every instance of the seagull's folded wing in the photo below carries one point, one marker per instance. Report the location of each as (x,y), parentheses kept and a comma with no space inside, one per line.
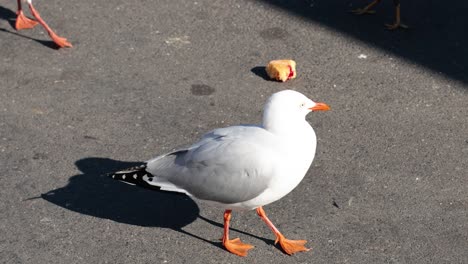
(228,165)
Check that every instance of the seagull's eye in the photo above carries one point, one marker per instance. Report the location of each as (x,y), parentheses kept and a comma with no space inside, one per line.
(303,104)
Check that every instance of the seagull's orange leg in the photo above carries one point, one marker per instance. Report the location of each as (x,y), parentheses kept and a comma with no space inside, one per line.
(234,246)
(397,23)
(367,9)
(22,21)
(289,246)
(61,42)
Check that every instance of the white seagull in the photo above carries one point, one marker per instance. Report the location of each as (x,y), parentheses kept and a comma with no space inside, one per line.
(23,22)
(241,167)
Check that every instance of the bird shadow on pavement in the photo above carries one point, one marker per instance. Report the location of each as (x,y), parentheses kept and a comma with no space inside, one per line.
(94,193)
(436,39)
(10,16)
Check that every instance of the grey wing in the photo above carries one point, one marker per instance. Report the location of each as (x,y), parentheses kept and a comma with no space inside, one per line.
(228,165)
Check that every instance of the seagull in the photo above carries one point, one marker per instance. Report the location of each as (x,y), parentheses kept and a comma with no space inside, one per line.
(241,167)
(23,22)
(367,10)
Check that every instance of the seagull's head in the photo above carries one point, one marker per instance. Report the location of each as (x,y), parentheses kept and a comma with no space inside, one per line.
(293,103)
(289,106)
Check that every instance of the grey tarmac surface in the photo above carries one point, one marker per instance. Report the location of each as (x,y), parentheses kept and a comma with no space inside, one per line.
(390,180)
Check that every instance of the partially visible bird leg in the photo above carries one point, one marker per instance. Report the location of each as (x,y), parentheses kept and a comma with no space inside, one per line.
(367,9)
(234,246)
(397,23)
(289,246)
(61,42)
(22,21)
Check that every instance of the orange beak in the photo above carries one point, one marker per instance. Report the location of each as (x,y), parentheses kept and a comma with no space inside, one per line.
(320,107)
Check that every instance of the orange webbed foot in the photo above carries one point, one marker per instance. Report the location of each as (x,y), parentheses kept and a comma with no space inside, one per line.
(396,25)
(23,22)
(235,246)
(61,42)
(362,11)
(291,246)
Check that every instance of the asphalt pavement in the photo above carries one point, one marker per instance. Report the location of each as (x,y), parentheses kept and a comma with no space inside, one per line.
(389,183)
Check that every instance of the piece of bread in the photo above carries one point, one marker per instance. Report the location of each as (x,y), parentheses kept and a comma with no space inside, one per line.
(281,70)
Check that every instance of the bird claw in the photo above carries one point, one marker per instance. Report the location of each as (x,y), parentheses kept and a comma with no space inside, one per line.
(61,42)
(396,26)
(235,246)
(23,22)
(362,11)
(291,246)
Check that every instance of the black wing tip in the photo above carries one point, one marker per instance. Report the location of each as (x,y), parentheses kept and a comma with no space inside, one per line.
(130,170)
(133,169)
(136,176)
